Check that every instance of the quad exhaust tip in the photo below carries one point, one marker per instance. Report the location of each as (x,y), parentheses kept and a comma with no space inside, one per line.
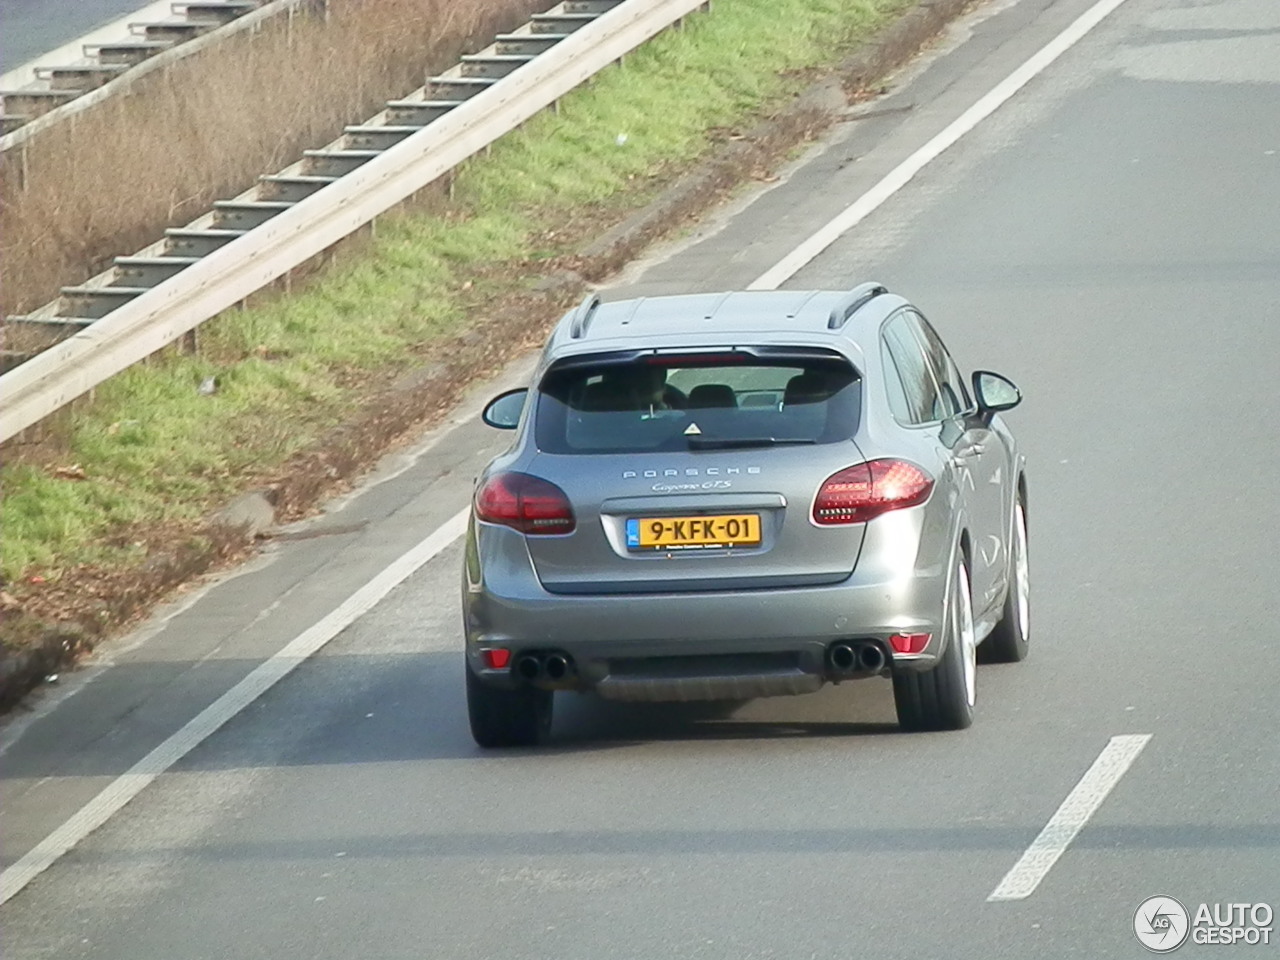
(843,657)
(556,666)
(846,659)
(552,666)
(871,658)
(529,667)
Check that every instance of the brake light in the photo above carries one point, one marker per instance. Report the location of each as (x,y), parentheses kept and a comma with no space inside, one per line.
(529,504)
(694,359)
(857,494)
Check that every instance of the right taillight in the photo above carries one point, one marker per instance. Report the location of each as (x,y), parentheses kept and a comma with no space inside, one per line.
(526,503)
(856,494)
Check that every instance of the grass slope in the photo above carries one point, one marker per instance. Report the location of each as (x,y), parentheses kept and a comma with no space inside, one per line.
(153,449)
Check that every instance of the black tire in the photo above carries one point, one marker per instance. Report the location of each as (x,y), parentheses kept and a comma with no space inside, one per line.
(1009,641)
(507,718)
(940,699)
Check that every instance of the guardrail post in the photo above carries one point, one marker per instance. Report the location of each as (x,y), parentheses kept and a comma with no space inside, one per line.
(22,167)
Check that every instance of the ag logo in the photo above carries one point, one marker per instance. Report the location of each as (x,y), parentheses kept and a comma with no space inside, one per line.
(1161,924)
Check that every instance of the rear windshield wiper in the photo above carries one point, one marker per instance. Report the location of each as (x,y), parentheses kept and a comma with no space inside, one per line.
(727,443)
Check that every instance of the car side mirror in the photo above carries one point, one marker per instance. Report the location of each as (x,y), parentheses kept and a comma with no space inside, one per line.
(504,410)
(994,392)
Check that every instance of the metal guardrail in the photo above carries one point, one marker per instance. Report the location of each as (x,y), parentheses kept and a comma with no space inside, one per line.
(292,232)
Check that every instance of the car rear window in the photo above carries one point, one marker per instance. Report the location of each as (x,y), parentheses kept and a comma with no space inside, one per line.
(670,403)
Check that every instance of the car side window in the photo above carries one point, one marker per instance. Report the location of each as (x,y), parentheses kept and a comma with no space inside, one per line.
(893,386)
(954,394)
(918,398)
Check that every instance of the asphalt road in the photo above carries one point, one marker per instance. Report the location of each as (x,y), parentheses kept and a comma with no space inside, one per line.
(1110,239)
(30,28)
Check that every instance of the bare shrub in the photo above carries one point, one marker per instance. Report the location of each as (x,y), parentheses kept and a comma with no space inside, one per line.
(108,181)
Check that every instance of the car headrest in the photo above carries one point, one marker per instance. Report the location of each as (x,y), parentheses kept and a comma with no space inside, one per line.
(712,395)
(806,388)
(607,395)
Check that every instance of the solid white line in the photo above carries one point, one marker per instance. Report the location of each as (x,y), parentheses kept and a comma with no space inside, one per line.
(1081,803)
(900,175)
(129,784)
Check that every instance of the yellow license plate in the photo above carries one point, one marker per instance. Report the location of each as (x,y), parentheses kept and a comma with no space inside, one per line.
(693,533)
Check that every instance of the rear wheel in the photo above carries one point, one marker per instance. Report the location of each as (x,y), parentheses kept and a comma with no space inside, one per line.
(1008,641)
(507,718)
(943,698)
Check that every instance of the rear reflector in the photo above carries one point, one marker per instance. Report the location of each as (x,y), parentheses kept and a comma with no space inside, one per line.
(909,642)
(529,504)
(856,494)
(497,658)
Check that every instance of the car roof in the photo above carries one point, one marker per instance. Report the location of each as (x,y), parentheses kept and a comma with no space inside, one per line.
(833,318)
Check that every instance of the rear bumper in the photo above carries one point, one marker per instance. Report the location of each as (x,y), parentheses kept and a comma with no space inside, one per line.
(736,644)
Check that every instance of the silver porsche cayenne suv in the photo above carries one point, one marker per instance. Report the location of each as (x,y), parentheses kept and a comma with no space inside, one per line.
(739,495)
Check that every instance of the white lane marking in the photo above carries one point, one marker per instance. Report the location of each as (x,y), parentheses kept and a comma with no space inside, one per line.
(900,175)
(1081,803)
(129,784)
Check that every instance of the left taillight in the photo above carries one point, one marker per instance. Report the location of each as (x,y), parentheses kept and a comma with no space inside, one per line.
(533,506)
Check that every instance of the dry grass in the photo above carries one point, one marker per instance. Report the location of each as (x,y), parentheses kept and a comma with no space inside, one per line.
(110,180)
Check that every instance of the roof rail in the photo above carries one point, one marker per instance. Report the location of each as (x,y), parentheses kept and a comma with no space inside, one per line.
(852,302)
(582,316)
